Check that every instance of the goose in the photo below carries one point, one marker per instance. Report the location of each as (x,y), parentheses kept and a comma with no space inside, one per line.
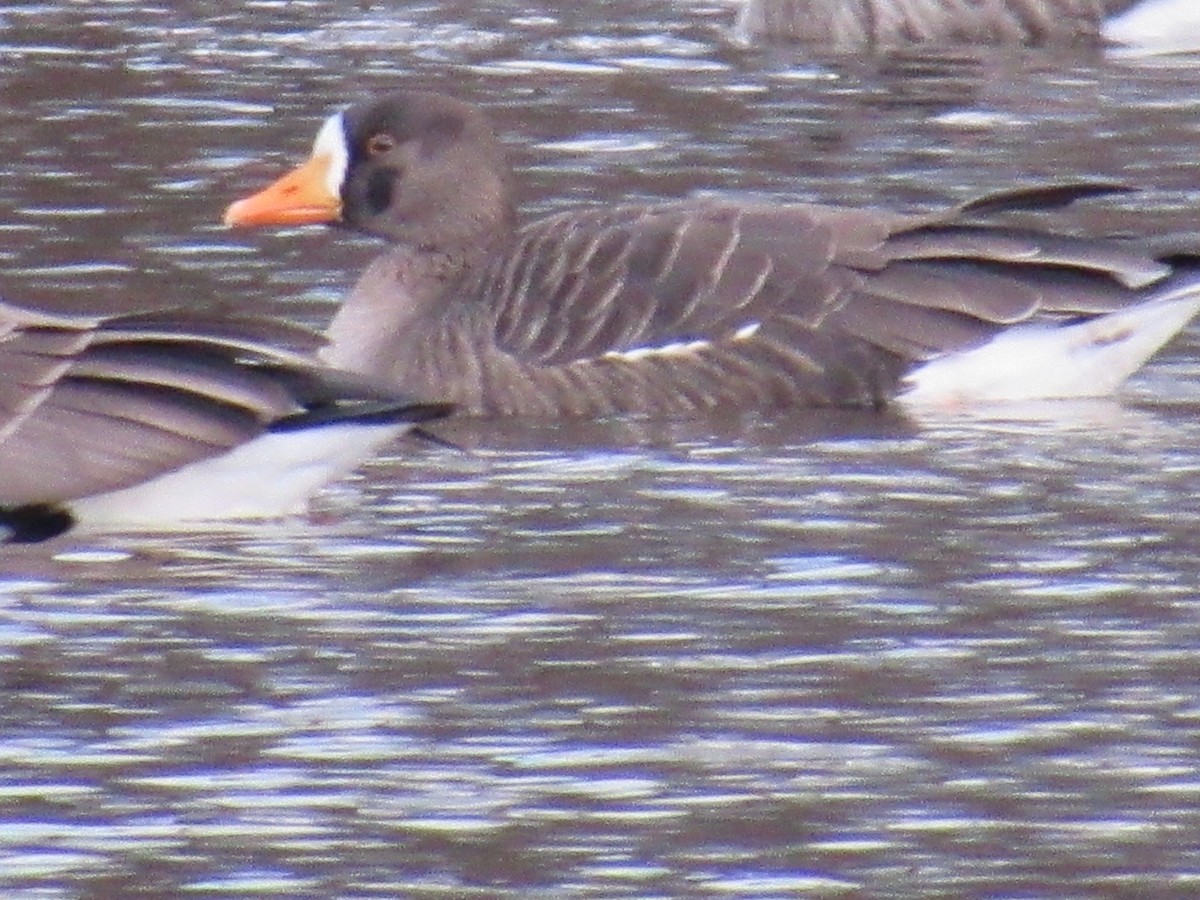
(848,25)
(699,305)
(156,419)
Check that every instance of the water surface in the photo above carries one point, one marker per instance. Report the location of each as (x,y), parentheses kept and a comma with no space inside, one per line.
(825,656)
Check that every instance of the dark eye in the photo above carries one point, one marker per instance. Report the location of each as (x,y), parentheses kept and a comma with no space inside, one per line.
(380,143)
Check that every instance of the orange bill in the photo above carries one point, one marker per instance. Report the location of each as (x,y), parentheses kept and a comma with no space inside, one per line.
(298,198)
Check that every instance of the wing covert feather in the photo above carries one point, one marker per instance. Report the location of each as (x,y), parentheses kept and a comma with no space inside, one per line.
(635,277)
(90,404)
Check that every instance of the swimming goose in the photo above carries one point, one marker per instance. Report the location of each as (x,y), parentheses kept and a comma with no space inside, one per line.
(677,307)
(152,419)
(844,25)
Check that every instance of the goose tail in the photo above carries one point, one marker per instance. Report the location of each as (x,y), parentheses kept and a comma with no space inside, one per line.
(1077,358)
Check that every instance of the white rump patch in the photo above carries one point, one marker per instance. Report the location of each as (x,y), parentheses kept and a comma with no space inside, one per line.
(1045,361)
(1156,26)
(273,475)
(331,144)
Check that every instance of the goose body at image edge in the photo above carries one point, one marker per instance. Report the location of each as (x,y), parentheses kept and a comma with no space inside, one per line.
(165,418)
(1151,26)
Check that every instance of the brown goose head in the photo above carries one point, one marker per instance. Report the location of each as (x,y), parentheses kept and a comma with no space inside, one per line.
(420,169)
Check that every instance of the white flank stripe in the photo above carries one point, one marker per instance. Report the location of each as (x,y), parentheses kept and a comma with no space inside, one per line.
(677,348)
(747,331)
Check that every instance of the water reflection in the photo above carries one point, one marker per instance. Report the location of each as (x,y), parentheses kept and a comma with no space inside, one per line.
(833,656)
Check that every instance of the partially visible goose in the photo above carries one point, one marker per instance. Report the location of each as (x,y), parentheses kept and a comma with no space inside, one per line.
(670,308)
(153,419)
(846,25)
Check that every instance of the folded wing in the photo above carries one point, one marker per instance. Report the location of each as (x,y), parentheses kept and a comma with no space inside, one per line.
(94,403)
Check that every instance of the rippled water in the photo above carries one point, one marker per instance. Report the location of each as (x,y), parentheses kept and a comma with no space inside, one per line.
(827,656)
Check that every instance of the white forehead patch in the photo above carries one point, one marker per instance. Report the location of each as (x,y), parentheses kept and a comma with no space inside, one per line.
(331,144)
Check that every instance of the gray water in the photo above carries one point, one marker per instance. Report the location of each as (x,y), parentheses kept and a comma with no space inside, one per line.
(816,656)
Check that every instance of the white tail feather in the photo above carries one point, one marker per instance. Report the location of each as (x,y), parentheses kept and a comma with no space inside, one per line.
(1042,361)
